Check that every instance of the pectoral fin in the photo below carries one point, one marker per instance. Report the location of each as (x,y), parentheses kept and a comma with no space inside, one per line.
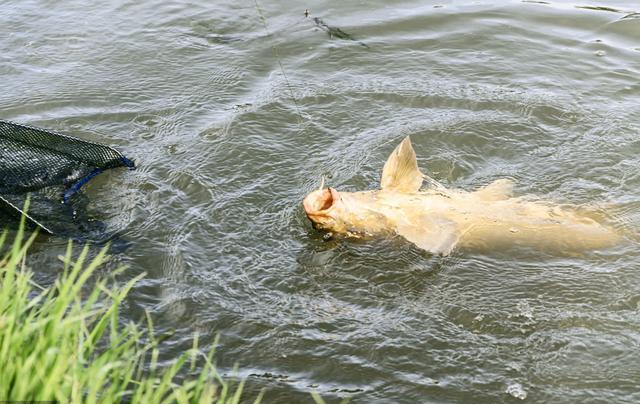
(496,191)
(438,236)
(400,172)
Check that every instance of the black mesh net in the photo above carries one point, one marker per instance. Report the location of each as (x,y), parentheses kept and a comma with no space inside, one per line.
(49,168)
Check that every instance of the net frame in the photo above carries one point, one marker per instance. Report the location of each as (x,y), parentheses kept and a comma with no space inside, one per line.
(28,143)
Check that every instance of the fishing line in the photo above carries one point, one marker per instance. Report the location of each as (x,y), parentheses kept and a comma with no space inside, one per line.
(277,56)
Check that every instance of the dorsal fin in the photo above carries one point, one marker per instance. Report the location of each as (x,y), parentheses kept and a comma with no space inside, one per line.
(400,172)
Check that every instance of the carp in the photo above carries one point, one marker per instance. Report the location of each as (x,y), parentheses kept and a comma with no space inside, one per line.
(439,220)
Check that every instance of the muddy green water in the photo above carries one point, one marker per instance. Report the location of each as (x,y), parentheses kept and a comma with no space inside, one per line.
(547,93)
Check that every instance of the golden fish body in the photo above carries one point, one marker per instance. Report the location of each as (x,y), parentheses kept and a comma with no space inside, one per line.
(439,219)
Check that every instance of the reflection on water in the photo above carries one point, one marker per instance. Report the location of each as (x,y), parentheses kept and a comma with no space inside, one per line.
(542,92)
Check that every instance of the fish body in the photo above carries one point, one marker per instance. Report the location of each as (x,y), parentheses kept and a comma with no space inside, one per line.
(440,219)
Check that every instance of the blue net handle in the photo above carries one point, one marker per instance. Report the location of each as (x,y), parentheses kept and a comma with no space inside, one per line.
(73,189)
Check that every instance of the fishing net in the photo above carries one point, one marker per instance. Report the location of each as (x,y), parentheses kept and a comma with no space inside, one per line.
(49,169)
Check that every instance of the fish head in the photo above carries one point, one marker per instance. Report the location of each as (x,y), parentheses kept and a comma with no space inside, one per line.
(363,213)
(352,214)
(326,210)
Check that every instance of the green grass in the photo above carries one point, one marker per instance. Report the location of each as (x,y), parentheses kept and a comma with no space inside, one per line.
(66,342)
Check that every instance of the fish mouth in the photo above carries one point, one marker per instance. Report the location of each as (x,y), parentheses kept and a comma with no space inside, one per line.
(318,203)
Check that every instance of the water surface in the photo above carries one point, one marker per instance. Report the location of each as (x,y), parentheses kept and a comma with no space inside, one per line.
(232,123)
